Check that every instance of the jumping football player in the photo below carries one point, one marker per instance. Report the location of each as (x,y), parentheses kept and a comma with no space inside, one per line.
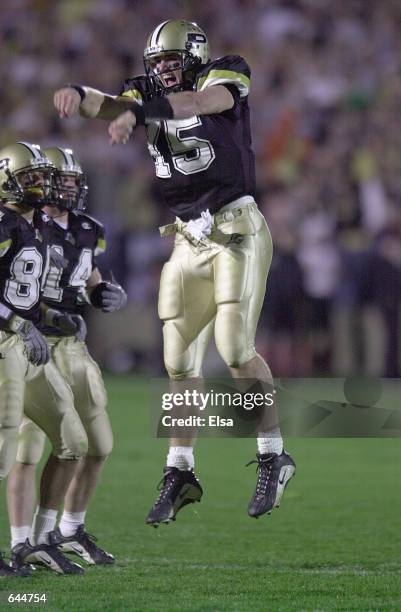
(26,374)
(195,111)
(78,239)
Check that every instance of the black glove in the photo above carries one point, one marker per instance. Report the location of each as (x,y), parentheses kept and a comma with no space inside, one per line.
(68,324)
(36,347)
(108,296)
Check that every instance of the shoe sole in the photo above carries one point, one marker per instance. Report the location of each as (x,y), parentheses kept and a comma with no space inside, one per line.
(192,494)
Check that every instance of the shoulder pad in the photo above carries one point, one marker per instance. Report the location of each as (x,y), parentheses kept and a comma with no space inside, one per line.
(8,221)
(226,70)
(8,217)
(41,217)
(83,216)
(136,88)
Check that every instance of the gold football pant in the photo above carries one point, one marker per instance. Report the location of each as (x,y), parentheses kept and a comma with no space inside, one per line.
(220,281)
(79,370)
(47,399)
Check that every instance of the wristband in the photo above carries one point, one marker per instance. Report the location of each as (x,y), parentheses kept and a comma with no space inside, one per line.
(156,109)
(50,317)
(5,312)
(79,89)
(15,323)
(95,296)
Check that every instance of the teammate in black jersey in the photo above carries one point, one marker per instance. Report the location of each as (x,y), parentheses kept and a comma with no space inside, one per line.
(28,380)
(196,115)
(77,238)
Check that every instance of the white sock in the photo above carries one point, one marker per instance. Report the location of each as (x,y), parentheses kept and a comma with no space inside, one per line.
(181,457)
(70,521)
(44,521)
(19,534)
(270,442)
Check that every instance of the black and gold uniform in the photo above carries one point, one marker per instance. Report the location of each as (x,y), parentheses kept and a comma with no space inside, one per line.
(78,239)
(23,261)
(79,244)
(39,391)
(203,162)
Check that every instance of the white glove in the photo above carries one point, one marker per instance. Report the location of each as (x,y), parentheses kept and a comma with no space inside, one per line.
(200,228)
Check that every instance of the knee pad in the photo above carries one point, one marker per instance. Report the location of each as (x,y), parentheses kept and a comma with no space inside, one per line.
(178,354)
(73,441)
(8,449)
(31,442)
(231,338)
(182,359)
(11,410)
(100,436)
(90,400)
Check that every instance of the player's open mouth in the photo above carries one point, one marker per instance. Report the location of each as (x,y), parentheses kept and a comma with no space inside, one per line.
(170,79)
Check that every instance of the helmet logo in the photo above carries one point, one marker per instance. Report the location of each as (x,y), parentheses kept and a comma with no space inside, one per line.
(195,37)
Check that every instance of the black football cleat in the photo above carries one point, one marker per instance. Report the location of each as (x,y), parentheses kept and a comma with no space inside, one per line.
(47,555)
(7,571)
(178,488)
(274,472)
(83,545)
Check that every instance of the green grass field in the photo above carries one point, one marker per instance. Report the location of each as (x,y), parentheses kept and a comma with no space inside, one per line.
(333,545)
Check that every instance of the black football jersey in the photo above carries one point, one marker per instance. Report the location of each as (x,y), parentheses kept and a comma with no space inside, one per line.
(204,162)
(79,244)
(23,253)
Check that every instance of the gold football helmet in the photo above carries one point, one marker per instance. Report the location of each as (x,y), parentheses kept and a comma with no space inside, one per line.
(69,184)
(176,37)
(25,175)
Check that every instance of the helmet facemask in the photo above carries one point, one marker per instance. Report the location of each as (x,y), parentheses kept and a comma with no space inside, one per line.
(69,190)
(28,186)
(179,60)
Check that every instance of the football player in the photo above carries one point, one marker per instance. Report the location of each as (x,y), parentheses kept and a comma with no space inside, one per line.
(26,374)
(78,239)
(196,115)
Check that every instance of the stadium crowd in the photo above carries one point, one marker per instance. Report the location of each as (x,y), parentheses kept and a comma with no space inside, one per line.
(325,94)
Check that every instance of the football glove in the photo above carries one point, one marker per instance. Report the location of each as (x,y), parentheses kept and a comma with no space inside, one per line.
(109,296)
(201,227)
(68,324)
(36,347)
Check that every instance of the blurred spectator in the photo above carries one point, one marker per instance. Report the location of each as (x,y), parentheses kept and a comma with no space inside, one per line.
(325,95)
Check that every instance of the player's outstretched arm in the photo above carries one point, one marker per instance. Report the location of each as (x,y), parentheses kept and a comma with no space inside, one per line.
(88,102)
(181,105)
(211,101)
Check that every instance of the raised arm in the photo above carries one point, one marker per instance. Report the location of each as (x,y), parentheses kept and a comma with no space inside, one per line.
(180,105)
(89,102)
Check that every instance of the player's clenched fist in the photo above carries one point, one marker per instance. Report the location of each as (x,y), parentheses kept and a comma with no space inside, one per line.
(67,101)
(121,128)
